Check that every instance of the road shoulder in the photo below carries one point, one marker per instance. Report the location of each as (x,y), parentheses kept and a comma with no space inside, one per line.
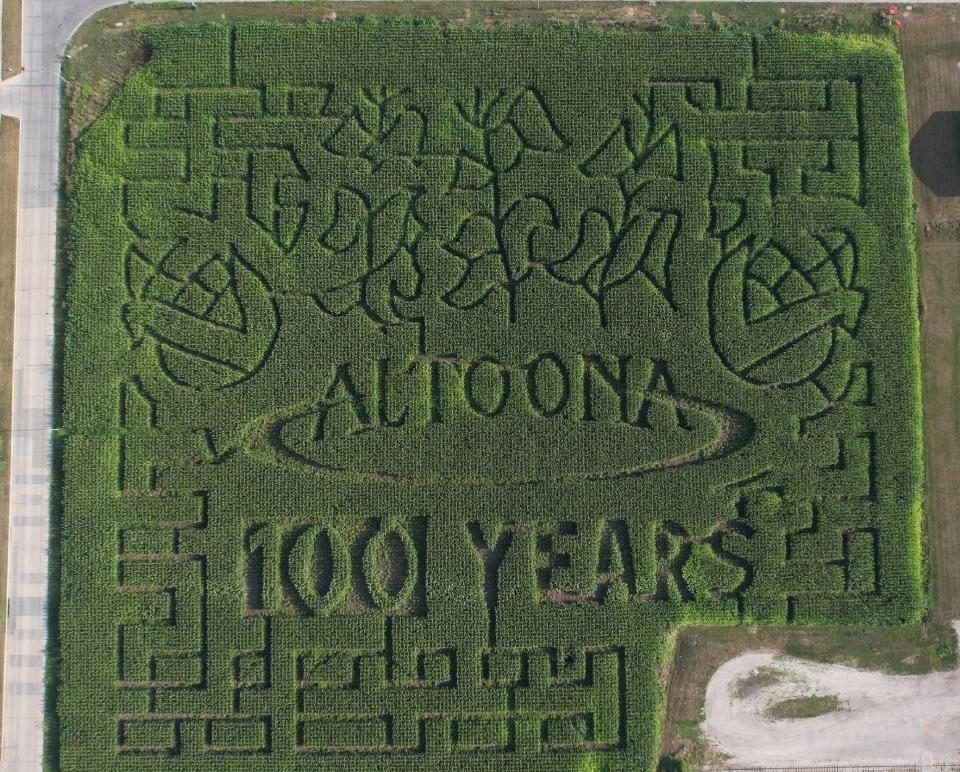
(9,177)
(11,38)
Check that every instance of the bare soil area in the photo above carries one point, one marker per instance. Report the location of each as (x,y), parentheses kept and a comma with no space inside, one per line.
(875,718)
(11,38)
(930,46)
(940,325)
(700,651)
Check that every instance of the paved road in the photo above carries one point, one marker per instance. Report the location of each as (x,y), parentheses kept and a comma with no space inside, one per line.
(34,97)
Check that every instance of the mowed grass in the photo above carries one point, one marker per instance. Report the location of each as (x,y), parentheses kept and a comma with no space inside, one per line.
(941,317)
(9,181)
(415,396)
(930,54)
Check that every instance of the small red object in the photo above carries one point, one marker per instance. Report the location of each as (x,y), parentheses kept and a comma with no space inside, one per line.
(898,22)
(892,10)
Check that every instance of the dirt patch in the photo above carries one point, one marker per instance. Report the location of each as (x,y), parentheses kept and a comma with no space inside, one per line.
(930,45)
(11,38)
(9,178)
(700,651)
(756,680)
(887,719)
(102,57)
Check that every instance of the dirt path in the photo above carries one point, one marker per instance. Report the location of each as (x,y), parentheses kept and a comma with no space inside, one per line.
(940,295)
(931,55)
(930,46)
(9,175)
(883,719)
(10,38)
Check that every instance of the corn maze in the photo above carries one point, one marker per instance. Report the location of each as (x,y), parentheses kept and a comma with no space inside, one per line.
(419,382)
